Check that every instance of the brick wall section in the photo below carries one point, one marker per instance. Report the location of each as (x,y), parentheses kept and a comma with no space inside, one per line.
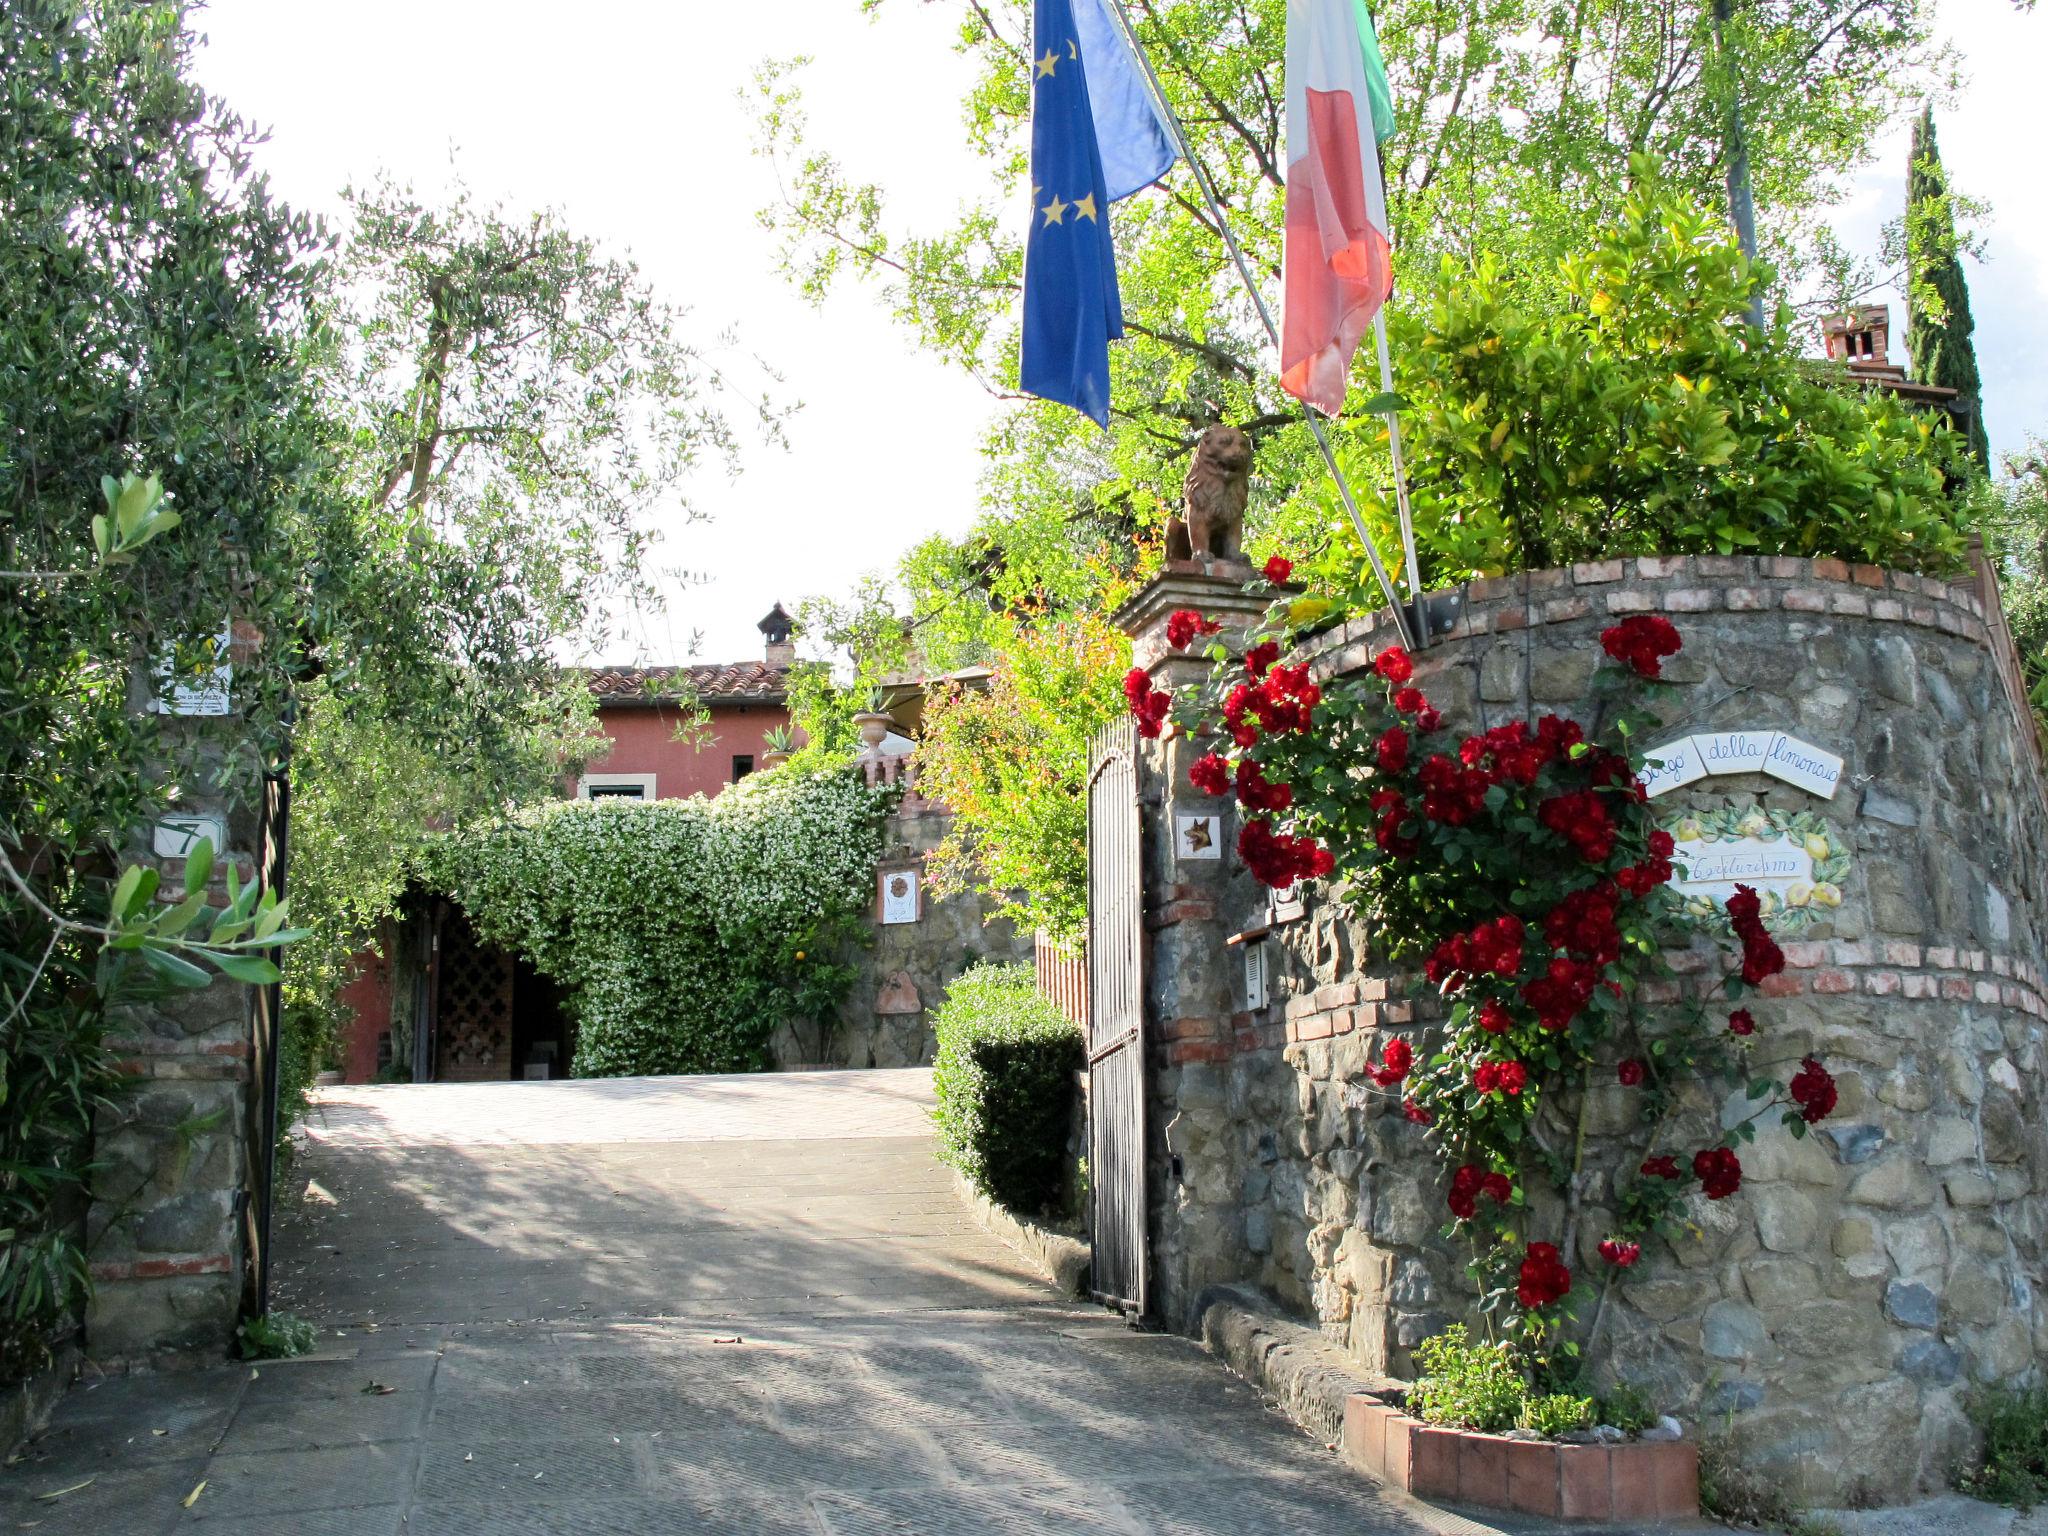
(1844,1304)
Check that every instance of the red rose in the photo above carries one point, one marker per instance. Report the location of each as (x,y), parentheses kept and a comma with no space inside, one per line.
(1393,665)
(1463,1198)
(1396,1058)
(1629,1073)
(1661,1168)
(1427,720)
(1619,1253)
(1417,1113)
(1741,1022)
(1508,1077)
(1256,792)
(1544,1278)
(1581,818)
(1494,1018)
(1391,750)
(1184,624)
(1261,656)
(1210,774)
(1410,701)
(1278,568)
(1813,1090)
(1137,683)
(1642,641)
(1719,1172)
(1498,1187)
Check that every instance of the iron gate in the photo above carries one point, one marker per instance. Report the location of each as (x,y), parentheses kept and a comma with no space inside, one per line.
(1116,1020)
(266,1006)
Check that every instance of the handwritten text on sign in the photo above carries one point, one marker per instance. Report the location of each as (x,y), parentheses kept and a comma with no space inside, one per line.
(1690,758)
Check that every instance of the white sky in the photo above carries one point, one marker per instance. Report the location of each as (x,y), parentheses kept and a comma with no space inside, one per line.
(628,120)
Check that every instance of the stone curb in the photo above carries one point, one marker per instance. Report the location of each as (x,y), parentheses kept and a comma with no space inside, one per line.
(1061,1259)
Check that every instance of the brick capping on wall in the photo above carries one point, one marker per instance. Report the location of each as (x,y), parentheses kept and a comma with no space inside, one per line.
(164,1269)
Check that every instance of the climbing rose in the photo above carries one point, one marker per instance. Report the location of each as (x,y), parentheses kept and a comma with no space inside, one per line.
(1813,1090)
(1508,1077)
(1761,956)
(1391,750)
(1643,642)
(1619,1253)
(1494,1018)
(1741,1022)
(1581,819)
(1719,1172)
(1661,1168)
(1258,793)
(1410,701)
(1393,664)
(1261,656)
(1396,1058)
(1629,1073)
(1544,1278)
(1150,705)
(1278,568)
(1472,1181)
(1417,1113)
(1184,624)
(1209,773)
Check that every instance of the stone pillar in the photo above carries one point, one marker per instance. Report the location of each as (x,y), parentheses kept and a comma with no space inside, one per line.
(166,1218)
(1193,988)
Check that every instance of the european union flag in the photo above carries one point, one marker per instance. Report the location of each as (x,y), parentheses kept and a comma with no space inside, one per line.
(1071,307)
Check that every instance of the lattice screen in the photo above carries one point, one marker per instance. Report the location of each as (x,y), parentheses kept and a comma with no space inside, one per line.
(475,1013)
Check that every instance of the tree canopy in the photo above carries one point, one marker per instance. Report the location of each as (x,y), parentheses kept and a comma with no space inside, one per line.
(1938,323)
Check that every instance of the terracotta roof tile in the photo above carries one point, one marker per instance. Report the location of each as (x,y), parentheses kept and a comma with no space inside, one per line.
(751,681)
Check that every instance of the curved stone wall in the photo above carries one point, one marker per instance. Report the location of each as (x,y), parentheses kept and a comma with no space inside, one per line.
(1842,1305)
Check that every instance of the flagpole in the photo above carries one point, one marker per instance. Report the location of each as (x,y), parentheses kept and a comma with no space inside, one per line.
(1379,330)
(1403,628)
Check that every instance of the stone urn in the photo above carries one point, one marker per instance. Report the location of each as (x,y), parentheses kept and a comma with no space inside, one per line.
(774,759)
(874,725)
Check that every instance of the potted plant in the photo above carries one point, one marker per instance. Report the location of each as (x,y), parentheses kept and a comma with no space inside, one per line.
(872,719)
(777,745)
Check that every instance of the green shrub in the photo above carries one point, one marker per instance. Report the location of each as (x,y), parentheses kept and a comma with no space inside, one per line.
(1471,1385)
(1005,1084)
(275,1336)
(1626,1408)
(1556,1413)
(2014,1423)
(1646,416)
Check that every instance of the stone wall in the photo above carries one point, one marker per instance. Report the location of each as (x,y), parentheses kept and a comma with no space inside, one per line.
(165,1226)
(887,1018)
(1841,1306)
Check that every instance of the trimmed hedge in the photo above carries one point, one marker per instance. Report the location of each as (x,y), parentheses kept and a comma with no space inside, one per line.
(1005,1083)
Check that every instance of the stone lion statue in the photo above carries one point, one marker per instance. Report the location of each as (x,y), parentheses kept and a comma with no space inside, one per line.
(1212,523)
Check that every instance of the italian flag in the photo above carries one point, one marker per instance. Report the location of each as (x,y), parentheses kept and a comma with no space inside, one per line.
(1336,262)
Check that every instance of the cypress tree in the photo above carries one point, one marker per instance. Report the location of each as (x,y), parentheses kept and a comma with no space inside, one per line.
(1938,345)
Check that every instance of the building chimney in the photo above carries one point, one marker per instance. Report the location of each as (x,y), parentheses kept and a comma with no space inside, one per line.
(781,650)
(1861,337)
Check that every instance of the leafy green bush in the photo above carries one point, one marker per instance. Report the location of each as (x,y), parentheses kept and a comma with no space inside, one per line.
(1472,1385)
(1005,1084)
(680,931)
(1646,417)
(1552,1414)
(2014,1423)
(275,1336)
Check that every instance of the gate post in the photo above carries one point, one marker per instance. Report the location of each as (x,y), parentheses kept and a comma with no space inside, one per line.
(1192,995)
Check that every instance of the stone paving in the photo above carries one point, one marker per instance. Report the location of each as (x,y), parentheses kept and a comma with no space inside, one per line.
(735,1306)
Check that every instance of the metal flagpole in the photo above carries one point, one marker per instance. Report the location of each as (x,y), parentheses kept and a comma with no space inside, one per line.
(1379,331)
(1403,628)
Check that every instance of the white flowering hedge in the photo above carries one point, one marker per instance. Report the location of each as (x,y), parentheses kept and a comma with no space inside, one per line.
(681,931)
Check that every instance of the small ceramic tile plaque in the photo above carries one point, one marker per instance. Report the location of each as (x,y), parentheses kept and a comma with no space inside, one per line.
(1198,836)
(1804,765)
(174,837)
(1734,751)
(899,895)
(1671,766)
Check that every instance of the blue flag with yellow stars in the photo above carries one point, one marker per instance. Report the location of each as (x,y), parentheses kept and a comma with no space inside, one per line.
(1071,308)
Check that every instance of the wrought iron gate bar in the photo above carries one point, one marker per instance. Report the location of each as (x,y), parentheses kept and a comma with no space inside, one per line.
(1116,1020)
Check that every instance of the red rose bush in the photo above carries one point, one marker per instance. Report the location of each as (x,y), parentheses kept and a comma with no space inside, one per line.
(1519,871)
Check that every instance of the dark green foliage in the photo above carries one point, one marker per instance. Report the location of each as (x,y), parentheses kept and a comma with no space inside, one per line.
(2014,1423)
(1646,417)
(275,1336)
(1005,1084)
(1938,345)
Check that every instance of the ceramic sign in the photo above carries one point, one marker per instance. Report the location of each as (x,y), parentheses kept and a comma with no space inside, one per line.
(1690,758)
(1793,860)
(173,837)
(899,895)
(207,693)
(1198,837)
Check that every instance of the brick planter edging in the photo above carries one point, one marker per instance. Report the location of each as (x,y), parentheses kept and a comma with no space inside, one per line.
(1635,1480)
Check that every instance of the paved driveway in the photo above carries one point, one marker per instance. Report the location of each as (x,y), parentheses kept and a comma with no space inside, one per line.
(637,1308)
